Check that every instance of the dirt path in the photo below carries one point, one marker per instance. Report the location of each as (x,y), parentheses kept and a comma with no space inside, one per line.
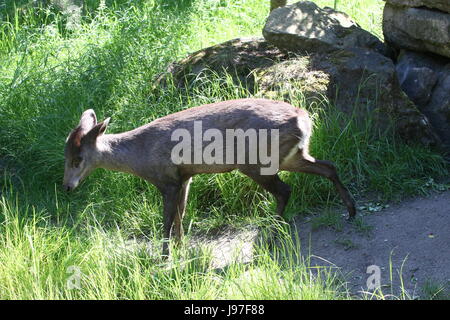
(414,235)
(411,238)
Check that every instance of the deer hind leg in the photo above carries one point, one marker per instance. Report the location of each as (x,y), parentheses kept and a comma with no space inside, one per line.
(303,162)
(275,186)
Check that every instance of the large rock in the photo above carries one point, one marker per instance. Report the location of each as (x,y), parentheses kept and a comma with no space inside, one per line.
(238,57)
(438,109)
(417,75)
(417,29)
(304,27)
(443,5)
(426,80)
(358,81)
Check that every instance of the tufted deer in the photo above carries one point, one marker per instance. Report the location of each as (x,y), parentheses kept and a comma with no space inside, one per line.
(153,151)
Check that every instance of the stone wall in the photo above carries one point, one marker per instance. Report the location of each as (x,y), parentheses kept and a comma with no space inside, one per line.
(416,28)
(420,31)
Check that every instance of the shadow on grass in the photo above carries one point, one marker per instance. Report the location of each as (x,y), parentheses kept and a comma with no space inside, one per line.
(178,6)
(44,102)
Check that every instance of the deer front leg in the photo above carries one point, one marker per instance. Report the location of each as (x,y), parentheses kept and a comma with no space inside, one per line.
(172,202)
(178,227)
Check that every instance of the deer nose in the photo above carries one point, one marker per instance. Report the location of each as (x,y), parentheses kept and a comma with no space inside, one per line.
(67,187)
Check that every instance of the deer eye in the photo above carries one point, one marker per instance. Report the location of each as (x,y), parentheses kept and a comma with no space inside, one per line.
(76,162)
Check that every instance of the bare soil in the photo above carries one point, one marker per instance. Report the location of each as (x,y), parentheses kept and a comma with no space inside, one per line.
(409,242)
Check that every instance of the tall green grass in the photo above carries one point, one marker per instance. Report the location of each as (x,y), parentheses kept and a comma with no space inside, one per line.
(49,75)
(43,260)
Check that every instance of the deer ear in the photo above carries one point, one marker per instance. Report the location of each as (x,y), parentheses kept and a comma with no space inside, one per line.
(96,131)
(74,138)
(88,120)
(103,126)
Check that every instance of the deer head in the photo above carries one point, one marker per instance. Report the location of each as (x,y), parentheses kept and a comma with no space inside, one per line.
(81,152)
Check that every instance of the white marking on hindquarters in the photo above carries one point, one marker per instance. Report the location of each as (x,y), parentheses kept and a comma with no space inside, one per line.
(188,185)
(305,125)
(290,155)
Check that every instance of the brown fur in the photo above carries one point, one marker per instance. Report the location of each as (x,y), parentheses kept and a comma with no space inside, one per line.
(146,151)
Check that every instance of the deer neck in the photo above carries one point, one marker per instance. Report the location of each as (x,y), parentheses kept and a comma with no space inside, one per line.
(117,152)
